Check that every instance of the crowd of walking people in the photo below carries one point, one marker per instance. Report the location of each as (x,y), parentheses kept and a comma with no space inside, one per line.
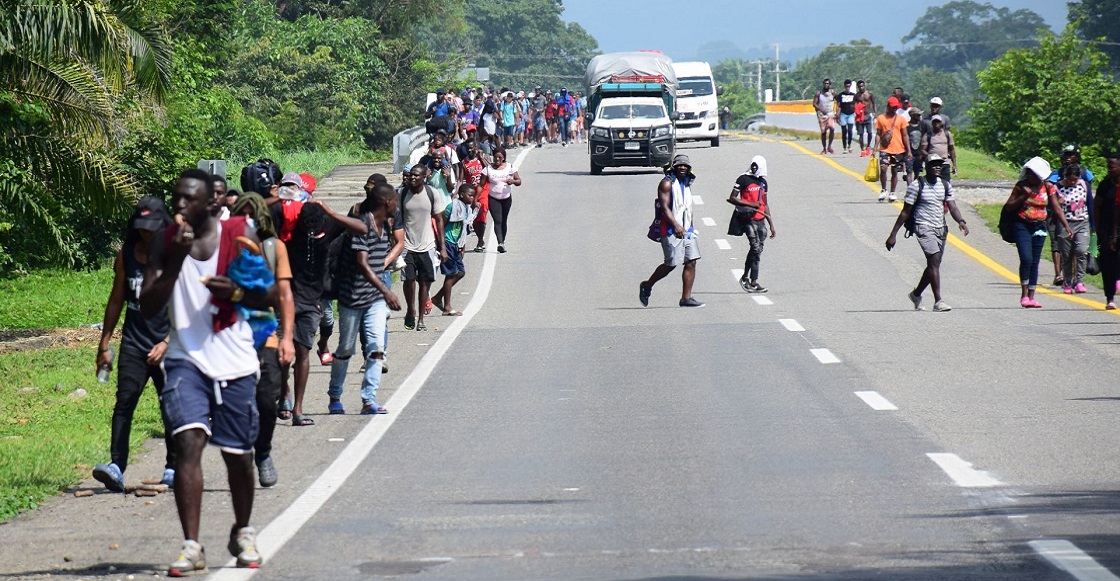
(225,302)
(506,118)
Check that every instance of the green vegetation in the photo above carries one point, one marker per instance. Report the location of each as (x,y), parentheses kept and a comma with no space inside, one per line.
(49,299)
(314,162)
(975,165)
(50,441)
(990,214)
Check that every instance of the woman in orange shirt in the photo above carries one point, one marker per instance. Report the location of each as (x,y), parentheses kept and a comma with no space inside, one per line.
(1033,198)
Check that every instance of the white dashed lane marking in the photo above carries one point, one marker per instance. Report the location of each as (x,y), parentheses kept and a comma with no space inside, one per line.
(722,244)
(708,221)
(876,401)
(697,201)
(762,301)
(962,472)
(823,355)
(1067,557)
(791,325)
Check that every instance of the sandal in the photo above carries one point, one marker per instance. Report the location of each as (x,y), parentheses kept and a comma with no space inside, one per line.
(285,411)
(453,313)
(335,408)
(302,420)
(369,410)
(410,322)
(325,358)
(421,327)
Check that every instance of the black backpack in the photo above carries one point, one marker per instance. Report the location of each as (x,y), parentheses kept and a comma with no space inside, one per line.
(260,176)
(338,250)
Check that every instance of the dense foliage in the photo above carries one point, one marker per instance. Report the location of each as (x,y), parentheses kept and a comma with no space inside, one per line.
(1038,100)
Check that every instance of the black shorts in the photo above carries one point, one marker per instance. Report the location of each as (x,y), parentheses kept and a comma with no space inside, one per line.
(420,266)
(308,318)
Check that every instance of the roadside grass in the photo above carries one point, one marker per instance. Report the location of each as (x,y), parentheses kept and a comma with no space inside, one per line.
(990,214)
(48,441)
(49,299)
(317,163)
(975,165)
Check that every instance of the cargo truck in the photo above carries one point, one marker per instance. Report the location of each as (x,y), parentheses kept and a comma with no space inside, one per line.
(631,100)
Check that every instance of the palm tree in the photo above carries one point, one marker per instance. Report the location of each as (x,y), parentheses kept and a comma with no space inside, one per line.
(66,68)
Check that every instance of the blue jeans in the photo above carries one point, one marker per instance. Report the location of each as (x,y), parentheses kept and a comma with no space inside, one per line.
(370,321)
(562,124)
(387,280)
(1030,252)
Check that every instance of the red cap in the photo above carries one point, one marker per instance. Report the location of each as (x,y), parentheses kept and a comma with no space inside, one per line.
(308,182)
(894,103)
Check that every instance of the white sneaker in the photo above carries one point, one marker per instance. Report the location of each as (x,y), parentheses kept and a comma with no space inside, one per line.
(882,195)
(941,307)
(191,561)
(892,197)
(916,299)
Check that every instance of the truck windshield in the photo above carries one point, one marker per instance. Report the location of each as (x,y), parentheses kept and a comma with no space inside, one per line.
(632,112)
(694,87)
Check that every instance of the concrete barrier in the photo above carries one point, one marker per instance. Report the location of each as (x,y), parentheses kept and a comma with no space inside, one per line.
(405,145)
(792,115)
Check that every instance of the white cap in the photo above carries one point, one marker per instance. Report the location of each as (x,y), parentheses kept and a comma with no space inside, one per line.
(1038,166)
(935,101)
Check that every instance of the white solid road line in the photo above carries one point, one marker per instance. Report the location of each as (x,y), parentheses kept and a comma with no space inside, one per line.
(876,401)
(762,301)
(708,221)
(722,244)
(823,355)
(697,200)
(1067,557)
(791,325)
(272,538)
(962,472)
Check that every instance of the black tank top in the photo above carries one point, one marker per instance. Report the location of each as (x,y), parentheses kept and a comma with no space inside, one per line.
(139,333)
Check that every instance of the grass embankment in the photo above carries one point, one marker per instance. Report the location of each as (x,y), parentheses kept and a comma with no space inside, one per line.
(49,438)
(317,163)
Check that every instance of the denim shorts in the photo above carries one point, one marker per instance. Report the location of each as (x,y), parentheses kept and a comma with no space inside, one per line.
(454,263)
(225,410)
(679,251)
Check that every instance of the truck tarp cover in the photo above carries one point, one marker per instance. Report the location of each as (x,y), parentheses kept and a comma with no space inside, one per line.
(629,64)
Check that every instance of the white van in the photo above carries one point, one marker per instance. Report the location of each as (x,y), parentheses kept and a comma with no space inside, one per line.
(697,103)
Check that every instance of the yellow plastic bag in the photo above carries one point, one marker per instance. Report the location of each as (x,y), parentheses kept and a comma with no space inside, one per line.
(871,174)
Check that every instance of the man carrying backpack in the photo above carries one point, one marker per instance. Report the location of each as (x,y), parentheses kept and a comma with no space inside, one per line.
(677,236)
(923,214)
(752,214)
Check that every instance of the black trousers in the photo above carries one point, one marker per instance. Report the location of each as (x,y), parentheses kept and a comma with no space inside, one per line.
(133,373)
(499,211)
(268,399)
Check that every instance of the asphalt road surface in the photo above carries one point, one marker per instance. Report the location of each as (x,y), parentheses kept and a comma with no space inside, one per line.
(824,430)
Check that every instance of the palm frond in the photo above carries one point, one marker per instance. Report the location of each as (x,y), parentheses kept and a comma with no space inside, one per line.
(71,94)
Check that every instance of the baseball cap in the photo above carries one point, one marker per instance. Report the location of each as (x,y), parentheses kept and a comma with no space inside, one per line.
(937,118)
(934,158)
(681,159)
(894,103)
(441,91)
(935,101)
(150,214)
(309,182)
(1071,149)
(291,179)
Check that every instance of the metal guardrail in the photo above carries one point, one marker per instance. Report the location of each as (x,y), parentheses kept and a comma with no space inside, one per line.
(406,142)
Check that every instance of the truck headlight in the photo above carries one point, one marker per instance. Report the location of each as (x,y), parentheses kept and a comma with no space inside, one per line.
(600,132)
(662,131)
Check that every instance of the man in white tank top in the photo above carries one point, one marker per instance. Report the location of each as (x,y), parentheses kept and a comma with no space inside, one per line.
(211,364)
(678,237)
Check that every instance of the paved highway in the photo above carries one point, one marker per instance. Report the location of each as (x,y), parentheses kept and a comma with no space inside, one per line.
(561,431)
(824,430)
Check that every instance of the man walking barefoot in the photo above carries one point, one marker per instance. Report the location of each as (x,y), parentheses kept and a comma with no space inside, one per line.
(678,239)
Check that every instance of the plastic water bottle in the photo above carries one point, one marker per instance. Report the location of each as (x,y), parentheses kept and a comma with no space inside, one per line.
(103,371)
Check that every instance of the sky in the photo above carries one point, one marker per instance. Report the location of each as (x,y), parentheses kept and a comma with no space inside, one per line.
(679,28)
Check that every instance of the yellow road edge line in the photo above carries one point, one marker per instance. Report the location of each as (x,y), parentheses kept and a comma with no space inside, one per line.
(970,251)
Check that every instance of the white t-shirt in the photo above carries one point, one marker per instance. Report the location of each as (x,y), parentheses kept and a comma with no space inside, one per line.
(500,187)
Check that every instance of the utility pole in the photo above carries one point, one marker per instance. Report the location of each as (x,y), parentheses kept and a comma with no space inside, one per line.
(777,73)
(759,80)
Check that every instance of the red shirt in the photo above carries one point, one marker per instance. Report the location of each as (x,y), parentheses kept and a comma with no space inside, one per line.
(550,110)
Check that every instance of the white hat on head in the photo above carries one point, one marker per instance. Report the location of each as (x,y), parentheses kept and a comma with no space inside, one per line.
(935,101)
(761,163)
(1038,166)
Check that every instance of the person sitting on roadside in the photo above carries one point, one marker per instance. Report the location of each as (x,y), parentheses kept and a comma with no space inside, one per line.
(143,343)
(926,198)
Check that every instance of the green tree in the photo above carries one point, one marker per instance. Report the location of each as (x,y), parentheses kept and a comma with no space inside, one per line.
(927,82)
(856,60)
(1037,100)
(1097,19)
(948,36)
(65,68)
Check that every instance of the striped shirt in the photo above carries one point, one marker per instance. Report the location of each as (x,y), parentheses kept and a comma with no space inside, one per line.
(355,291)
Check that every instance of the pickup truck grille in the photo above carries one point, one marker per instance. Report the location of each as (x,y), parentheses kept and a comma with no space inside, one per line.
(630,133)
